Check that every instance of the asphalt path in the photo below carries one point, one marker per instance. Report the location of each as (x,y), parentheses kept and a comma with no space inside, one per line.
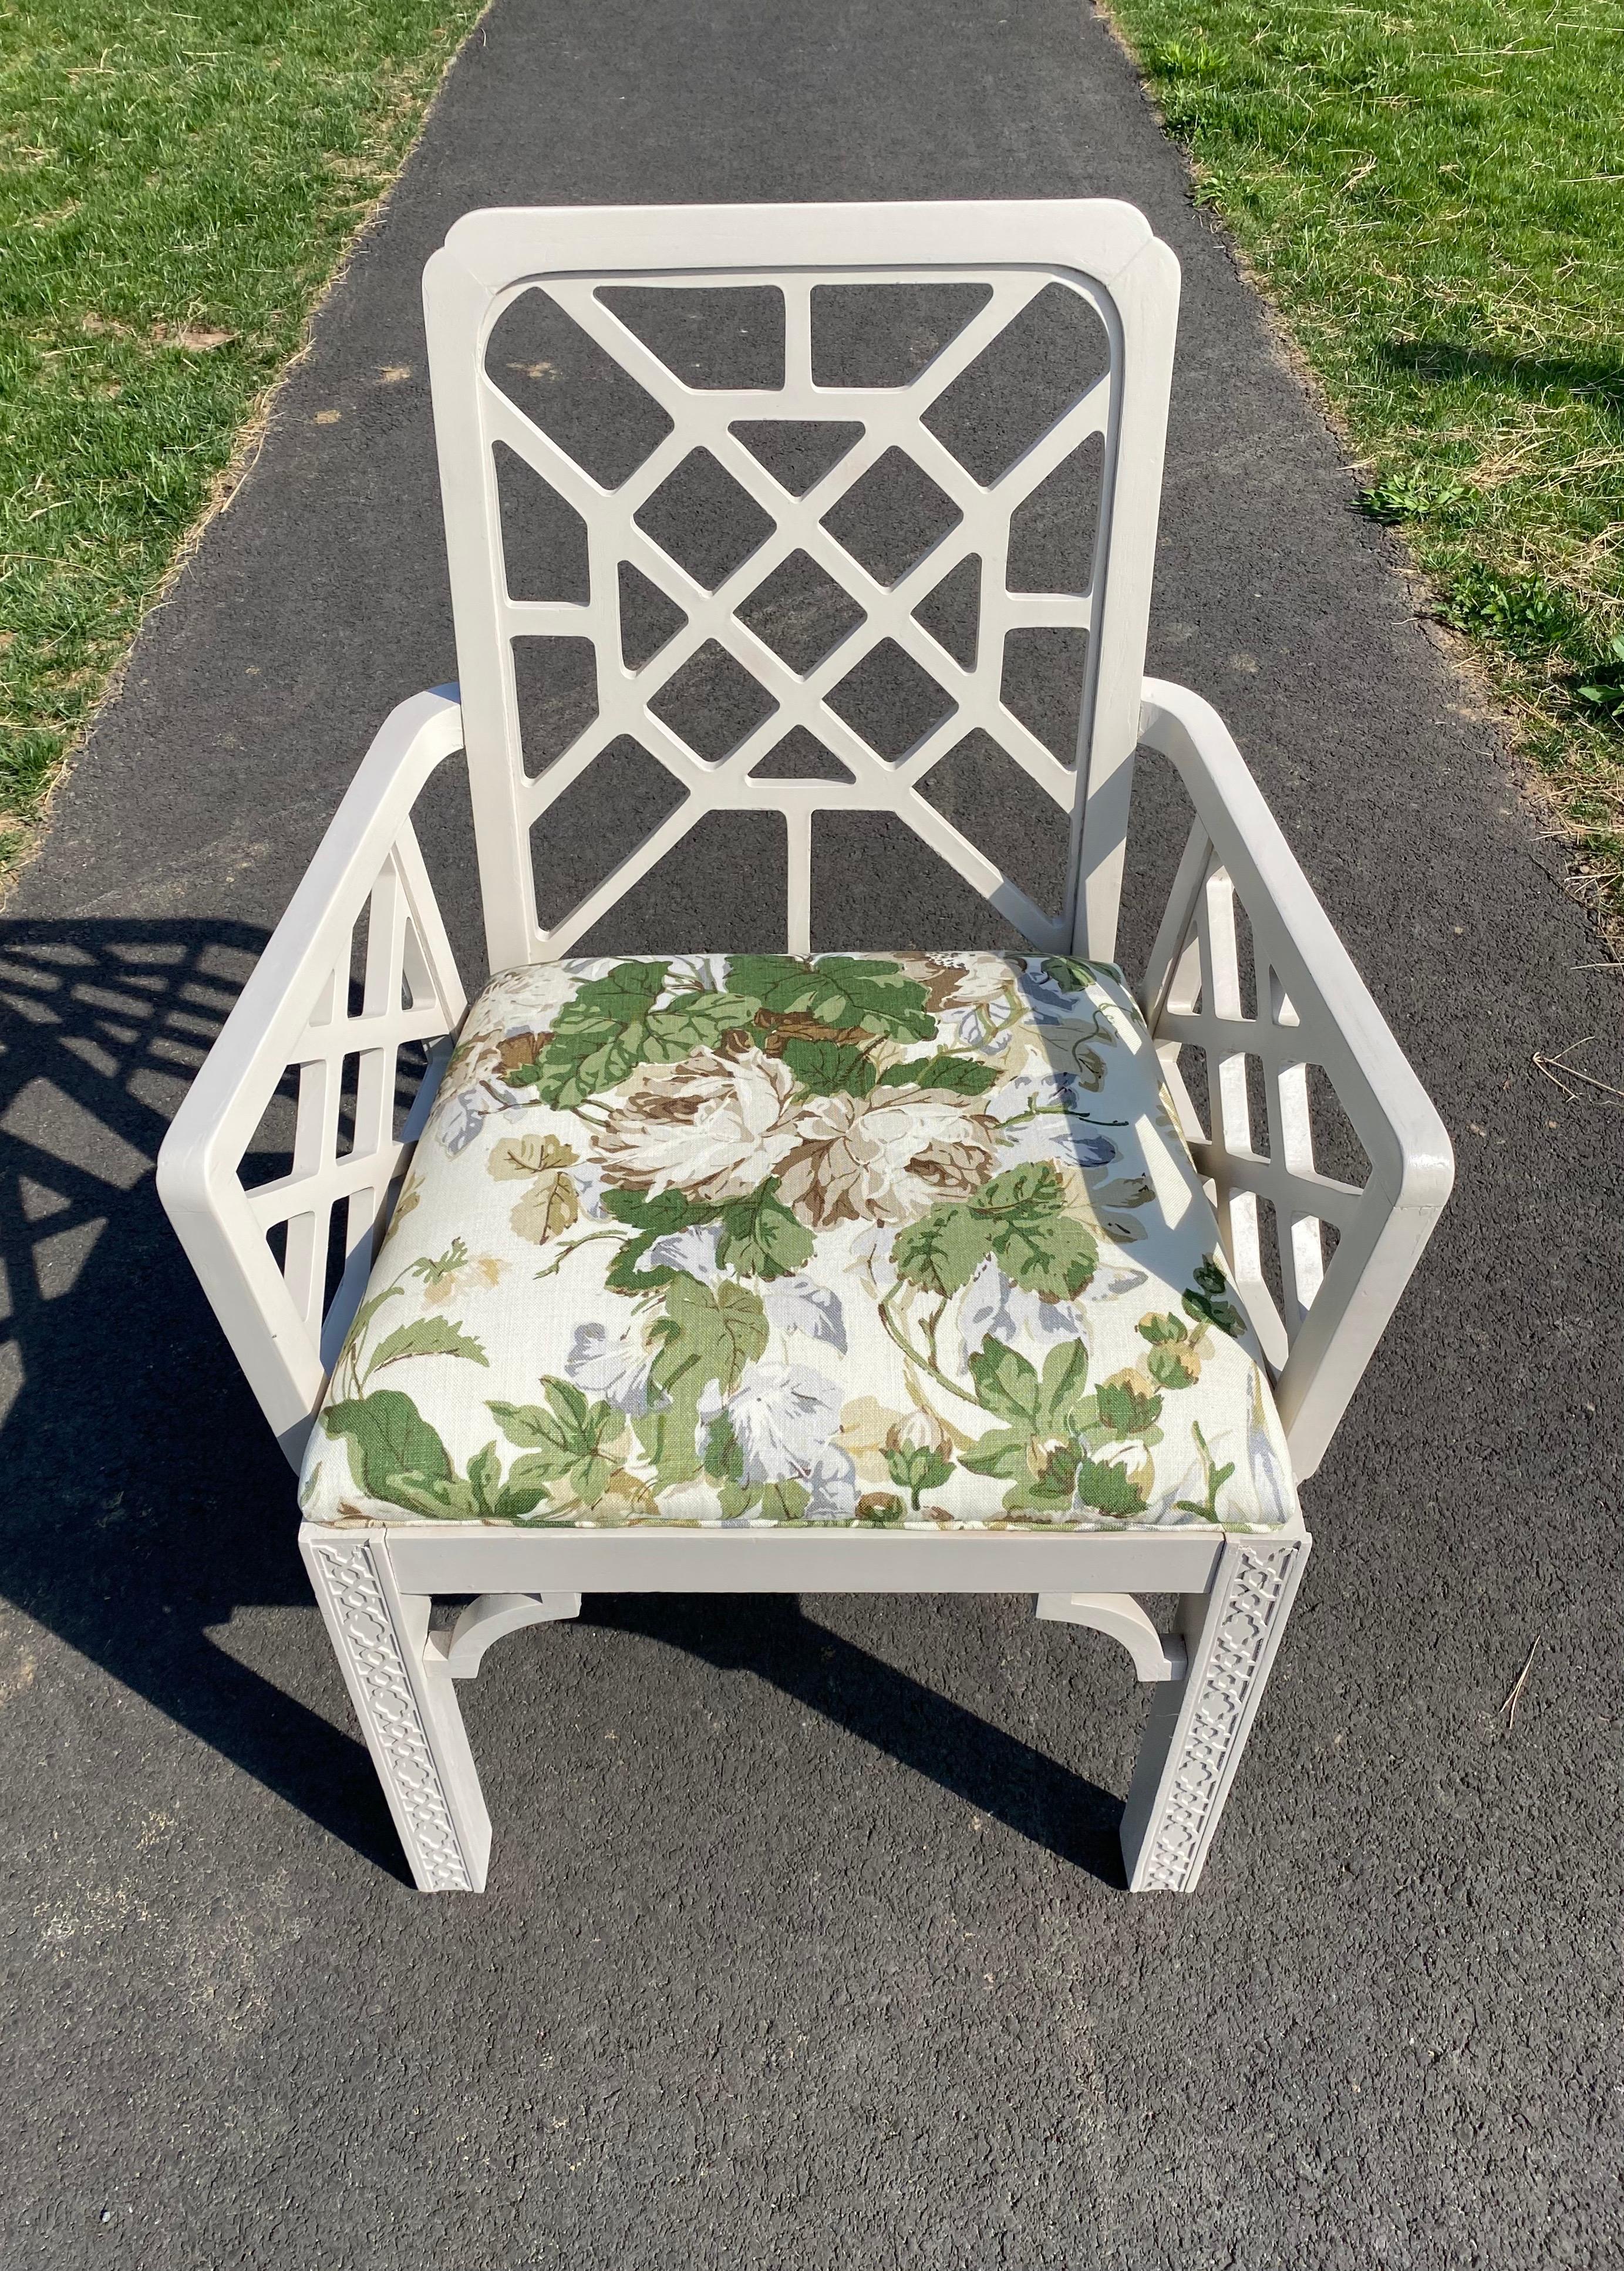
(805,1941)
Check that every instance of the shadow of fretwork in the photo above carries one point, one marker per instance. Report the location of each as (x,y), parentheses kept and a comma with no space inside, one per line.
(147,1500)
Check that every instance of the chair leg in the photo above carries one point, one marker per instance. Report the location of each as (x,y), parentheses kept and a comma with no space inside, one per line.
(1198,1725)
(407,1708)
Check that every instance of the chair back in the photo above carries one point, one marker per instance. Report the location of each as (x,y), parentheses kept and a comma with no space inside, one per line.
(779,504)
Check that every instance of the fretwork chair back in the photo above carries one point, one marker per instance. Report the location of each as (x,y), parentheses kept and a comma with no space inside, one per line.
(933,1269)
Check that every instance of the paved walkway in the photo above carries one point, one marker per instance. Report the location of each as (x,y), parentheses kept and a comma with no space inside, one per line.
(801,1945)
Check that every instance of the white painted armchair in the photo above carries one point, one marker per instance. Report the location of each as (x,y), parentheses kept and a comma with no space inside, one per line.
(944,1270)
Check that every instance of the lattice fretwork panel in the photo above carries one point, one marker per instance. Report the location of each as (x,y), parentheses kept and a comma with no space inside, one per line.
(810,579)
(1259,1114)
(340,1130)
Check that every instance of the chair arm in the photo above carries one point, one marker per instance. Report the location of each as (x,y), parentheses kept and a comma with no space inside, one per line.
(1310,1008)
(297,1011)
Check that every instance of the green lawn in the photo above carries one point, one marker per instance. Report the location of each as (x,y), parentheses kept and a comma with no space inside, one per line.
(1435,199)
(175,188)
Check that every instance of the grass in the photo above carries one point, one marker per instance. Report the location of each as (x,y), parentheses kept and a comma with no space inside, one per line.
(175,190)
(1434,198)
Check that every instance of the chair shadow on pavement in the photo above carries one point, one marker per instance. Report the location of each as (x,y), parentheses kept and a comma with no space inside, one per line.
(147,1500)
(995,1772)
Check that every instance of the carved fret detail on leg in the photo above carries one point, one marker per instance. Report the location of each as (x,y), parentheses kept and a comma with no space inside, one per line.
(1198,1730)
(410,1718)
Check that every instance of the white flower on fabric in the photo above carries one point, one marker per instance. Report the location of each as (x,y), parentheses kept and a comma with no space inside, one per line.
(687,971)
(782,1417)
(617,1370)
(714,1126)
(994,1307)
(693,1501)
(588,1177)
(525,1000)
(886,1156)
(796,1305)
(692,1251)
(1133,1458)
(831,1484)
(512,1012)
(982,977)
(919,1430)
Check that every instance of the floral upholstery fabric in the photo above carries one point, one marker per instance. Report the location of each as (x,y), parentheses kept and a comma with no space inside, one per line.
(756,1239)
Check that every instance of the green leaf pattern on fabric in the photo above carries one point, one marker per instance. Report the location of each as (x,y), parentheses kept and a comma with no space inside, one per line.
(775,1238)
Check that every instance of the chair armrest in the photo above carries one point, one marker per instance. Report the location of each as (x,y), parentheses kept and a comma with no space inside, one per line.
(1310,1008)
(298,1011)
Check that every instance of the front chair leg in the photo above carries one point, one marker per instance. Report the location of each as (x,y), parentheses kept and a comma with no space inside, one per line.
(1198,1725)
(407,1709)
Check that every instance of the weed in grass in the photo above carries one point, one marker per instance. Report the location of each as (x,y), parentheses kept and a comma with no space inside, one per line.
(1435,202)
(1411,496)
(1604,692)
(1525,616)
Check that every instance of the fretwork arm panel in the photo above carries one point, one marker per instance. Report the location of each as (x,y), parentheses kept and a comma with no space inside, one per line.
(1101,254)
(1308,1009)
(353,1129)
(342,1188)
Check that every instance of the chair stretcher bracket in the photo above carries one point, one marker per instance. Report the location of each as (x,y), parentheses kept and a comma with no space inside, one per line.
(1156,1655)
(461,1650)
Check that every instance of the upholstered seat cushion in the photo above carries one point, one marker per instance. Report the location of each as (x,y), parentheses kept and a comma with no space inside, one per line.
(905,1240)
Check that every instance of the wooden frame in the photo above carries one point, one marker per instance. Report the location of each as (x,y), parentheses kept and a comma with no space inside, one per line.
(376,1585)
